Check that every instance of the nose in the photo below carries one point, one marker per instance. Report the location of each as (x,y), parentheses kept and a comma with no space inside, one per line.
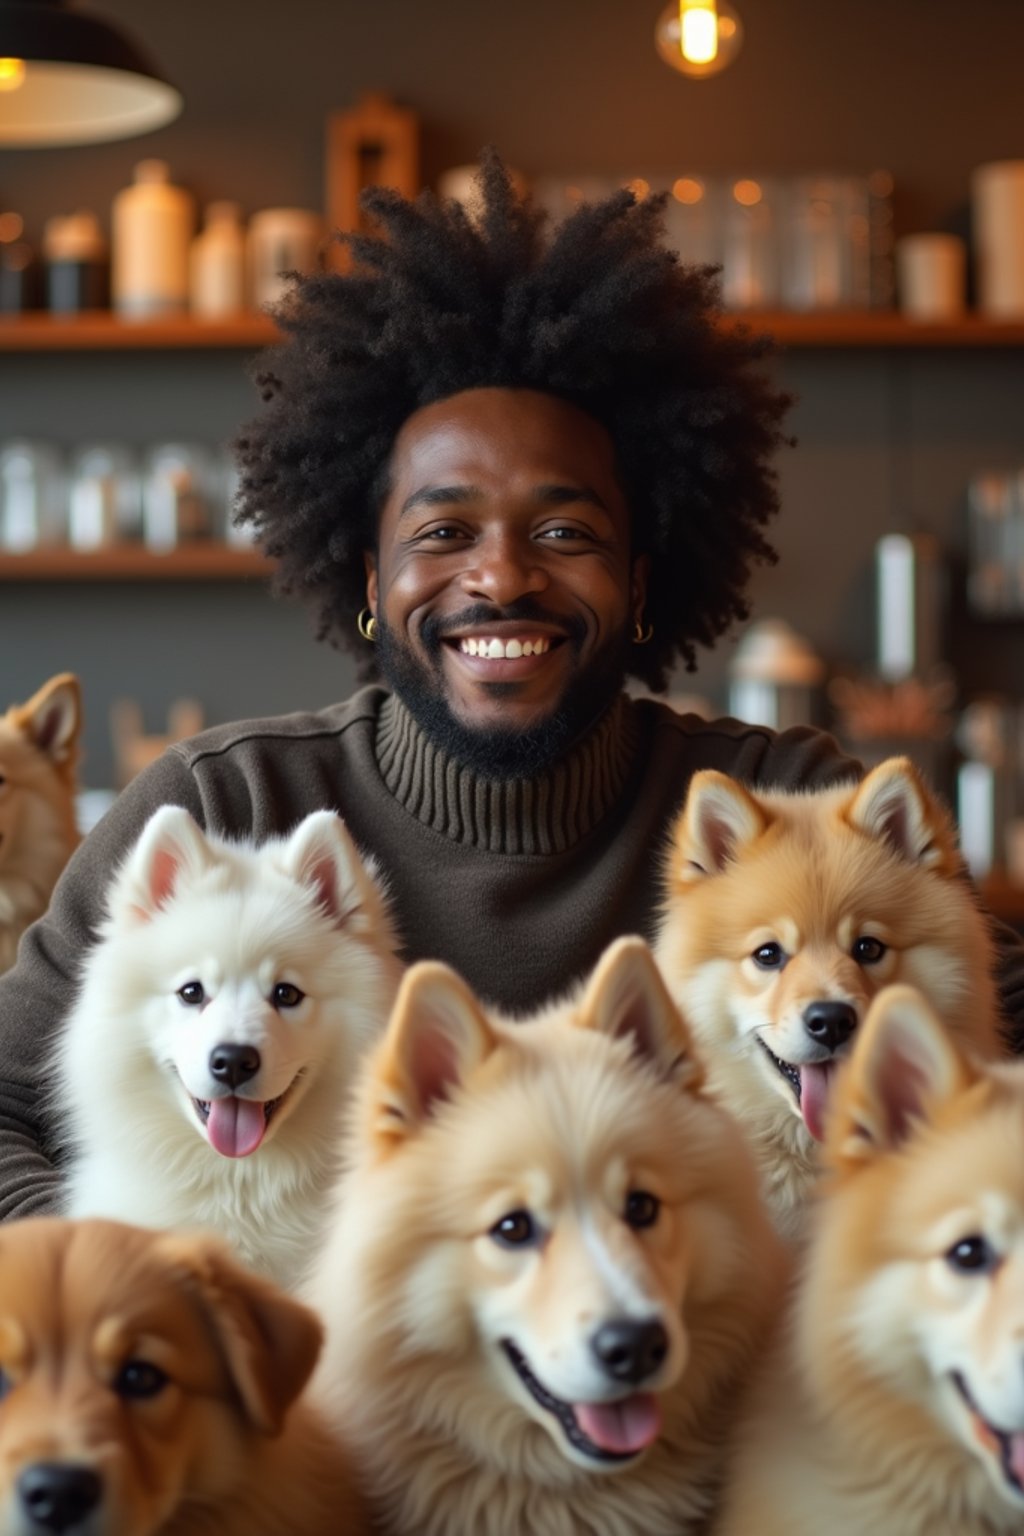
(234,1064)
(56,1497)
(630,1350)
(504,566)
(830,1023)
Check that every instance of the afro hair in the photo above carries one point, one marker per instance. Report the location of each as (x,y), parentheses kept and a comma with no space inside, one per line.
(600,313)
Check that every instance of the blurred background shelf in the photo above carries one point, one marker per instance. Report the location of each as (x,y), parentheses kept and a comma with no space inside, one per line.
(130,562)
(100,331)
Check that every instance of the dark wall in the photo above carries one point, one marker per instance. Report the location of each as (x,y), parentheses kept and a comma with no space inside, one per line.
(887,440)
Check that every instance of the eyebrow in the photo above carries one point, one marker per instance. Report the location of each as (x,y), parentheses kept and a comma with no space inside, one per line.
(455,495)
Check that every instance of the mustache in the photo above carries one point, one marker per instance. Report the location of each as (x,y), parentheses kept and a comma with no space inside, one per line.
(525,610)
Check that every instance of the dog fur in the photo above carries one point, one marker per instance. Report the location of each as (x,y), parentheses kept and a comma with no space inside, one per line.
(549,1267)
(895,1403)
(842,891)
(150,1386)
(38,829)
(226,978)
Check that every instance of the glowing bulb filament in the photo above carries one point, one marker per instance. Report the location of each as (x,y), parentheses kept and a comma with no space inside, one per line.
(698,30)
(12,74)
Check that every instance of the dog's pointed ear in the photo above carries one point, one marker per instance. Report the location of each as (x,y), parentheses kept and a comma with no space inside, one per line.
(626,996)
(719,818)
(904,1066)
(52,718)
(893,804)
(170,847)
(438,1034)
(269,1341)
(320,853)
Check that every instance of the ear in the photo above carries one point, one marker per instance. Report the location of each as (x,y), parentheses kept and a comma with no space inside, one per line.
(718,820)
(894,805)
(627,997)
(903,1067)
(170,849)
(437,1036)
(270,1342)
(52,718)
(370,564)
(640,576)
(320,854)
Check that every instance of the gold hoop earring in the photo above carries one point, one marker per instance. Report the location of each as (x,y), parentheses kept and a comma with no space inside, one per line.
(367,626)
(642,636)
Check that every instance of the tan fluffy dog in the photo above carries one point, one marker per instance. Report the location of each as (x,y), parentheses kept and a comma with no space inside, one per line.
(784,915)
(896,1404)
(149,1390)
(549,1269)
(38,831)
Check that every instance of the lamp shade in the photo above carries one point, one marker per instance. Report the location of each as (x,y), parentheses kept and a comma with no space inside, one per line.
(70,78)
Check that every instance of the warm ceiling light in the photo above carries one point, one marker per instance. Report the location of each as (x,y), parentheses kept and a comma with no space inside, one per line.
(70,78)
(698,37)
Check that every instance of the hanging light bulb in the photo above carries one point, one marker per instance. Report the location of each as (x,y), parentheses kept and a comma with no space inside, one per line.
(698,37)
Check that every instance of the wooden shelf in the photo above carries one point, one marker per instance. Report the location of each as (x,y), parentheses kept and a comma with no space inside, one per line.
(133,562)
(100,331)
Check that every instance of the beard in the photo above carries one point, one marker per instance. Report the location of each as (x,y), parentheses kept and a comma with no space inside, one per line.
(495,752)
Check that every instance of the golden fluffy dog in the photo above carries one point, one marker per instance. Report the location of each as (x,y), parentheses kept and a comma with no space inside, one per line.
(784,915)
(895,1405)
(149,1387)
(38,830)
(549,1267)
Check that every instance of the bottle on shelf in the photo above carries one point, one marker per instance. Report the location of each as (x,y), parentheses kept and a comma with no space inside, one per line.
(151,233)
(217,263)
(77,264)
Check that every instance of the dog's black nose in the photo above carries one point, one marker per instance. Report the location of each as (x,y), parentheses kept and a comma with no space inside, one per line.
(234,1064)
(831,1024)
(57,1497)
(630,1350)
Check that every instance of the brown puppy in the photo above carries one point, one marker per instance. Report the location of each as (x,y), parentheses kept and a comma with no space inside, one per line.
(148,1387)
(38,831)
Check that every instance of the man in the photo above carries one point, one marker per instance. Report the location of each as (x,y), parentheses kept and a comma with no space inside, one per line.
(537,470)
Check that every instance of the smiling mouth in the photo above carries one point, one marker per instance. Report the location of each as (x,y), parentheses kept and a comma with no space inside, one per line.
(1008,1446)
(613,1433)
(785,1069)
(235,1127)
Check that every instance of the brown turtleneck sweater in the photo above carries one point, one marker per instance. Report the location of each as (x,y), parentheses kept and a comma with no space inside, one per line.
(519,885)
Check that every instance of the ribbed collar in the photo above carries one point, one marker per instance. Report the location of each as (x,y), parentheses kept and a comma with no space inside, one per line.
(536,816)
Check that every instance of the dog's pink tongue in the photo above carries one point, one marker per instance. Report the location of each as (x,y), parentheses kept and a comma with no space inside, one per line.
(814,1081)
(1017,1457)
(621,1427)
(235,1126)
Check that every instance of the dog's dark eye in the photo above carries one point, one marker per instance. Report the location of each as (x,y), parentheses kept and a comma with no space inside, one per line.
(974,1255)
(138,1379)
(5,1381)
(285,995)
(192,994)
(868,951)
(769,956)
(642,1208)
(516,1230)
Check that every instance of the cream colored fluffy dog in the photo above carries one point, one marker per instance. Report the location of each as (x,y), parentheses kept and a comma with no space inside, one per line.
(220,1018)
(895,1405)
(784,915)
(549,1268)
(38,830)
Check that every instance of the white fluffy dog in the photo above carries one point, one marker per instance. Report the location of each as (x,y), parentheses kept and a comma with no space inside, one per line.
(220,1016)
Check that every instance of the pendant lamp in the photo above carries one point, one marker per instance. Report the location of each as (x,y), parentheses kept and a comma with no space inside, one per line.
(67,77)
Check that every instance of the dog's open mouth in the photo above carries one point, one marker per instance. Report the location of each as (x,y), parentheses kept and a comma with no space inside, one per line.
(1007,1446)
(810,1083)
(608,1432)
(236,1127)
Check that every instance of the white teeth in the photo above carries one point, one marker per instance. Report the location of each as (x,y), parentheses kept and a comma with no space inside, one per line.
(494,649)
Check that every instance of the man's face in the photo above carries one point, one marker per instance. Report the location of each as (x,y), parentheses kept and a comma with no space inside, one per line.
(503,585)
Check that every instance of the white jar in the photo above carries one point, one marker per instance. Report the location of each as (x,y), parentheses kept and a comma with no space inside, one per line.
(152,227)
(217,263)
(281,240)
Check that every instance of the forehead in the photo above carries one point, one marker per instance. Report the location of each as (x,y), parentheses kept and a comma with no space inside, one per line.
(514,438)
